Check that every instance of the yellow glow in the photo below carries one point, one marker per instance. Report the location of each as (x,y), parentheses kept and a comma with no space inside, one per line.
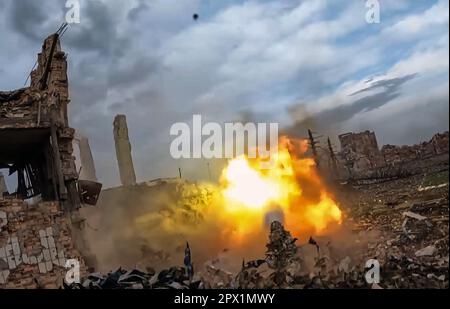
(233,214)
(247,186)
(250,192)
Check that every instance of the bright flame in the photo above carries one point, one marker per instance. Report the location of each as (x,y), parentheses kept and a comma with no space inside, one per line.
(292,186)
(247,186)
(234,214)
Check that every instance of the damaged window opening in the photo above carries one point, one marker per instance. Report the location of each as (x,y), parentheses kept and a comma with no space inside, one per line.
(27,161)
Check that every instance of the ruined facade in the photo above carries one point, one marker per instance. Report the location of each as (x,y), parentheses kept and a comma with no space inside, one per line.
(39,221)
(437,145)
(360,152)
(362,158)
(35,137)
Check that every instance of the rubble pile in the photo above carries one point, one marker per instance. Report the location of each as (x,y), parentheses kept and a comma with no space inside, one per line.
(329,272)
(172,278)
(284,268)
(412,230)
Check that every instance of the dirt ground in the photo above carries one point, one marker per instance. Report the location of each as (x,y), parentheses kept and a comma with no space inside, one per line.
(403,221)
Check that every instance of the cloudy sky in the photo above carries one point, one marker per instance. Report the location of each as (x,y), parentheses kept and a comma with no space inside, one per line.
(302,63)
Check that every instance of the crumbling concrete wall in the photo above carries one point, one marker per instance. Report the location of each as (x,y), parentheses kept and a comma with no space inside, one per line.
(123,151)
(35,242)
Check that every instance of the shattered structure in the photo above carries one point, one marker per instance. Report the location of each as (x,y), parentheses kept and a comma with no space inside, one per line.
(360,151)
(35,137)
(39,223)
(437,145)
(362,158)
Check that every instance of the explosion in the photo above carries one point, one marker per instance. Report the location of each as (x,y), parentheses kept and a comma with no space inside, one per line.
(291,189)
(235,214)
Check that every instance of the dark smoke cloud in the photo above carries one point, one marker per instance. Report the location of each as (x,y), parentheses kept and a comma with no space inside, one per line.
(386,91)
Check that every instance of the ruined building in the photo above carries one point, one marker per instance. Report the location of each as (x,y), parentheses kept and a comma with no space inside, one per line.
(362,158)
(38,236)
(360,152)
(35,137)
(437,145)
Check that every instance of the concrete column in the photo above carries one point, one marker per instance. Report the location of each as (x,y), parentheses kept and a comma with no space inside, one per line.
(123,151)
(86,159)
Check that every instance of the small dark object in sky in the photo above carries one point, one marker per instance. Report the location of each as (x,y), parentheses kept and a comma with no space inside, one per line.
(195,16)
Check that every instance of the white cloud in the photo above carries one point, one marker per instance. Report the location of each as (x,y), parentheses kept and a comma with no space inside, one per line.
(428,58)
(418,24)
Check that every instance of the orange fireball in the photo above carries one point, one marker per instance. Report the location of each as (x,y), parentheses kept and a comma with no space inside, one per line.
(292,186)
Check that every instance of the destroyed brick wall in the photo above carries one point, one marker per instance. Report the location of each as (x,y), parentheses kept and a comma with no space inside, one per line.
(35,242)
(437,145)
(37,146)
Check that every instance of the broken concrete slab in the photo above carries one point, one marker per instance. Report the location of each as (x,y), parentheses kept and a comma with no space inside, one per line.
(427,251)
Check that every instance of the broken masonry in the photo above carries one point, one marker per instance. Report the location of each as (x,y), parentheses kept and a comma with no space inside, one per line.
(38,235)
